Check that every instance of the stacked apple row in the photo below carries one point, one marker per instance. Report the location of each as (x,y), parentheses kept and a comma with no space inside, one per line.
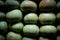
(28,5)
(29,29)
(44,18)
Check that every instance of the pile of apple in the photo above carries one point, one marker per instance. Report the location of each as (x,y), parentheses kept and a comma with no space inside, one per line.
(29,20)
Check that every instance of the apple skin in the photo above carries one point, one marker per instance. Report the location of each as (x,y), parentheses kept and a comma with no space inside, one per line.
(3,26)
(31,18)
(11,4)
(47,5)
(14,15)
(58,28)
(28,6)
(13,36)
(48,29)
(2,16)
(18,27)
(43,38)
(2,37)
(27,38)
(31,30)
(58,17)
(58,5)
(1,3)
(58,38)
(47,18)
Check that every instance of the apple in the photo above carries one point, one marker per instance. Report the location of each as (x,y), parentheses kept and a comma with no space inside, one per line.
(58,38)
(47,5)
(31,18)
(58,28)
(14,15)
(48,29)
(47,18)
(58,5)
(13,36)
(2,37)
(2,16)
(27,38)
(43,38)
(18,27)
(31,30)
(11,4)
(1,3)
(3,26)
(58,17)
(28,6)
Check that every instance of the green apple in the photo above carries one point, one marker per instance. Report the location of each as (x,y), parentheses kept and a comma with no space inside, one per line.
(58,5)
(2,16)
(47,18)
(31,30)
(58,28)
(31,18)
(13,36)
(1,3)
(18,27)
(28,6)
(58,17)
(3,26)
(14,16)
(12,4)
(48,29)
(27,38)
(2,37)
(42,38)
(58,38)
